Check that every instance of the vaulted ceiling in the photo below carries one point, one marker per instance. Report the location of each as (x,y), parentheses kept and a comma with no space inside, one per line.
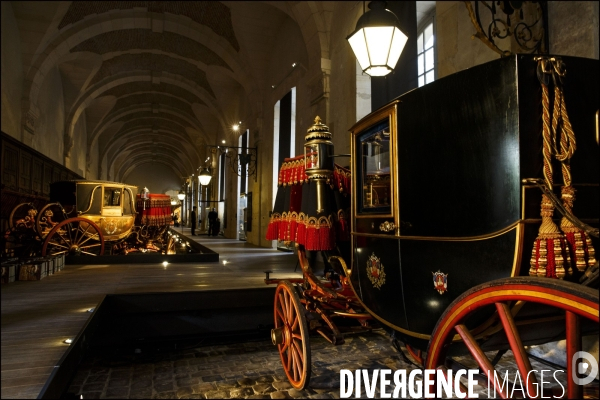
(155,81)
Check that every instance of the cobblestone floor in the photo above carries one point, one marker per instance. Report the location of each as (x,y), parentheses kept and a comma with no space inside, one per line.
(242,370)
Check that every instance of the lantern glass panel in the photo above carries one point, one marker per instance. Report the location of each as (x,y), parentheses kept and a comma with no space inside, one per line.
(359,47)
(312,156)
(398,43)
(379,41)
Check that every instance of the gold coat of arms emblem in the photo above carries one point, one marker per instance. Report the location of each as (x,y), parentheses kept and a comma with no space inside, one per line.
(375,271)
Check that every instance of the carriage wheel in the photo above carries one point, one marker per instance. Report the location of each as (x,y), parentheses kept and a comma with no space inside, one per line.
(574,300)
(22,217)
(291,335)
(74,236)
(49,216)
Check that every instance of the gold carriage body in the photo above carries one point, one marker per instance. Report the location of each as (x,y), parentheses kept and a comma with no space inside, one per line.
(110,205)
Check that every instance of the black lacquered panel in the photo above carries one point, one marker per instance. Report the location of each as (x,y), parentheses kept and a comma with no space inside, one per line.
(458,147)
(381,291)
(466,265)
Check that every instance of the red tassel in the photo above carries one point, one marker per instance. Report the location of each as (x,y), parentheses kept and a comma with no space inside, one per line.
(301,230)
(293,227)
(581,251)
(326,238)
(549,250)
(273,229)
(283,227)
(312,238)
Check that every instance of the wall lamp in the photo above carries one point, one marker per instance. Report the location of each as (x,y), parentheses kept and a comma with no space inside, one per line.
(205,177)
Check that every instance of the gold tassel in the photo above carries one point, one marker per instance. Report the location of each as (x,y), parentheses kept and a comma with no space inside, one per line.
(549,249)
(580,248)
(548,254)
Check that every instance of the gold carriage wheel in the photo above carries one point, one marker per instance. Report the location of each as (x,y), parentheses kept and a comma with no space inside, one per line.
(74,236)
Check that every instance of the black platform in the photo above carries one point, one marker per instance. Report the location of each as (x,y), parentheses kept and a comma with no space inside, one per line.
(199,253)
(147,321)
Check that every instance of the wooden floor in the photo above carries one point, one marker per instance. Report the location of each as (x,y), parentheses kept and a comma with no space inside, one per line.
(37,316)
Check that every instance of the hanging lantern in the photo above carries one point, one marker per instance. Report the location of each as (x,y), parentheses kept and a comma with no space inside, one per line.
(377,41)
(204,177)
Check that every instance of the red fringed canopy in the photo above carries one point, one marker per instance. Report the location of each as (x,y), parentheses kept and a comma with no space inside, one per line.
(295,218)
(154,211)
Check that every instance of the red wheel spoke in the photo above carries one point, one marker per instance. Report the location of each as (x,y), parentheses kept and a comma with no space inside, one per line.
(573,328)
(297,370)
(480,357)
(295,324)
(289,359)
(289,306)
(280,315)
(298,350)
(285,309)
(516,345)
(280,302)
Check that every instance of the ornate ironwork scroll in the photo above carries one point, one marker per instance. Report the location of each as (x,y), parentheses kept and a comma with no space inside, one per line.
(525,21)
(241,160)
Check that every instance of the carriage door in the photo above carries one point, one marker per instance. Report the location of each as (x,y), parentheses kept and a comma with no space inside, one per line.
(376,271)
(375,163)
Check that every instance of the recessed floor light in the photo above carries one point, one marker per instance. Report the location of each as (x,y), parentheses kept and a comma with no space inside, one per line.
(68,341)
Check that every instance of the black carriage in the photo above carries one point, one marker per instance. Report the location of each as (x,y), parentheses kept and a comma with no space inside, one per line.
(463,232)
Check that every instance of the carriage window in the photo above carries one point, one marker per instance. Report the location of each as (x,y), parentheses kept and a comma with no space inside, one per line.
(374,149)
(127,202)
(112,197)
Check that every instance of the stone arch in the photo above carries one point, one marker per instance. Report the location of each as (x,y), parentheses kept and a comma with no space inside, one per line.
(86,98)
(137,159)
(137,111)
(73,35)
(170,151)
(150,124)
(130,137)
